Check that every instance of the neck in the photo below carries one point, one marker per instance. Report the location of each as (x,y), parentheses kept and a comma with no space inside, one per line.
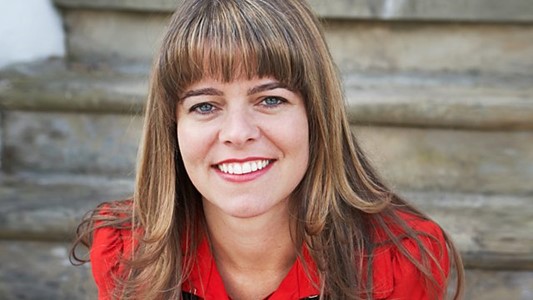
(261,242)
(252,255)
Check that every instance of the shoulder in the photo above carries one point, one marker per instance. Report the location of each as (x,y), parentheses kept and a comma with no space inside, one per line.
(404,222)
(111,246)
(397,262)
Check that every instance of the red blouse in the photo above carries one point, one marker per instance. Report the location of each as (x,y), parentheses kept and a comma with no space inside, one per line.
(394,276)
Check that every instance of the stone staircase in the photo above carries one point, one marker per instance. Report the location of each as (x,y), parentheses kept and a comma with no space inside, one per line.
(440,94)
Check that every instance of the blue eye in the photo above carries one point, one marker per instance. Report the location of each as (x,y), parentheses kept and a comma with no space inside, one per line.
(272,101)
(203,108)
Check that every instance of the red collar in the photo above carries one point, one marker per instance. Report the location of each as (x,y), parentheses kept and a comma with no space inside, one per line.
(389,265)
(205,281)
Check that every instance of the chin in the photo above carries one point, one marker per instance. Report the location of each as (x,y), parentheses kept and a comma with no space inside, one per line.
(245,211)
(245,207)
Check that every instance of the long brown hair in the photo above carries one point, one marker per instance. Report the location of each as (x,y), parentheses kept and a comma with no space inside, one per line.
(340,201)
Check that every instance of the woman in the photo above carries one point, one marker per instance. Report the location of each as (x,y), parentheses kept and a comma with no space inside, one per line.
(250,184)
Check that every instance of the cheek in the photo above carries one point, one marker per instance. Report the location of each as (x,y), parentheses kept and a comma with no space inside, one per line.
(196,142)
(189,143)
(302,141)
(300,129)
(292,135)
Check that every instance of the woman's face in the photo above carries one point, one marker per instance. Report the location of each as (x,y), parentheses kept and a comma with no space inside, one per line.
(244,144)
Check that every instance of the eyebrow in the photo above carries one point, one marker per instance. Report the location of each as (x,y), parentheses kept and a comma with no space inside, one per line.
(202,92)
(254,90)
(266,87)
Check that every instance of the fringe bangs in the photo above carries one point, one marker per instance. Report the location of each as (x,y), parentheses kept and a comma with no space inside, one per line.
(233,39)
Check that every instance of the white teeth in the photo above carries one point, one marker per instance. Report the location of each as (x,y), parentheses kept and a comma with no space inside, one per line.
(246,168)
(237,169)
(243,168)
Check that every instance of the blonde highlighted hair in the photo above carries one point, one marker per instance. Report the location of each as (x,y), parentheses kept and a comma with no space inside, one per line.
(339,202)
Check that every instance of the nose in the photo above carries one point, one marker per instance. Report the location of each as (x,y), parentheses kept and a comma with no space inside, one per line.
(239,128)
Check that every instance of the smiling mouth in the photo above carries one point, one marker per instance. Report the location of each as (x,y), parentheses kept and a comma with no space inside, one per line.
(243,168)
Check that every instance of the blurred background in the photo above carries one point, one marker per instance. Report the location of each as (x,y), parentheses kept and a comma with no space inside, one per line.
(440,95)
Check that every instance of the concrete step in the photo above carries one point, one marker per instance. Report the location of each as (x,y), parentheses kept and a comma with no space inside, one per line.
(409,158)
(100,144)
(431,47)
(450,133)
(53,86)
(497,285)
(457,10)
(440,100)
(41,270)
(492,231)
(373,98)
(469,161)
(361,34)
(50,207)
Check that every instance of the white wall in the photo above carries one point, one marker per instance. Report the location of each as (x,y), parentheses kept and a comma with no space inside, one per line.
(29,30)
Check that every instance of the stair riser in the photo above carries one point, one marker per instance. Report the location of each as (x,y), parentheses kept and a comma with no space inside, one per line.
(409,158)
(71,143)
(492,232)
(451,10)
(51,211)
(1,140)
(97,36)
(431,47)
(31,270)
(451,160)
(373,98)
(491,285)
(104,36)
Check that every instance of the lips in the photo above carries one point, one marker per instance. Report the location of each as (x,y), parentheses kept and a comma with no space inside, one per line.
(239,168)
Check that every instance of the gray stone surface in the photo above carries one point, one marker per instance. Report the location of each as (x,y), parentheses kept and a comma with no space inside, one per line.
(135,5)
(464,10)
(492,232)
(421,159)
(410,158)
(451,160)
(50,209)
(453,101)
(490,285)
(32,270)
(355,45)
(403,99)
(113,36)
(50,86)
(75,143)
(450,10)
(434,47)
(1,140)
(37,270)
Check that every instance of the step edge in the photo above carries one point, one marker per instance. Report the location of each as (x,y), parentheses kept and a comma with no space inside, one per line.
(375,102)
(522,11)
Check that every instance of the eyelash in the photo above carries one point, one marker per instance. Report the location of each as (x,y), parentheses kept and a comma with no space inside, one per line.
(280,101)
(197,107)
